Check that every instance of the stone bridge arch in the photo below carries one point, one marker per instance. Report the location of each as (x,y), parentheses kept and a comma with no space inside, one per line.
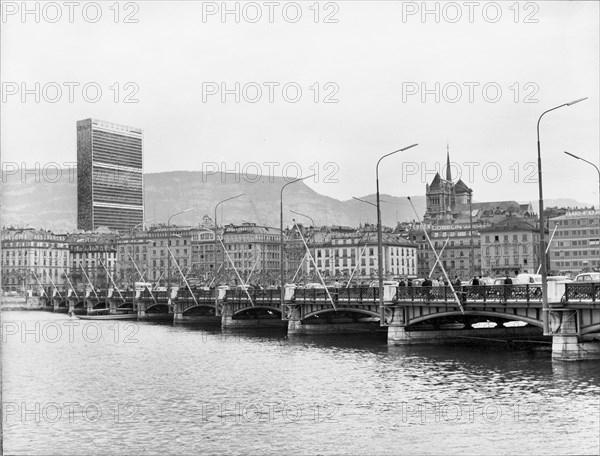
(482,313)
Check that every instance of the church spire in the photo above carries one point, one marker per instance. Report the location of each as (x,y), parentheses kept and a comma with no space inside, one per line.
(448,170)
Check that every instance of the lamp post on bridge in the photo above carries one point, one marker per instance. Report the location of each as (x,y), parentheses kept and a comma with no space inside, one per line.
(542,247)
(281,268)
(313,225)
(472,247)
(169,244)
(217,230)
(379,233)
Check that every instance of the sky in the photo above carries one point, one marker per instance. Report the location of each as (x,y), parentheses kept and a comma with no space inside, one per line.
(299,88)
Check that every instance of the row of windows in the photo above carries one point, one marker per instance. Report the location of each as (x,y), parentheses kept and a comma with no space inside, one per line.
(571,233)
(578,221)
(574,253)
(25,262)
(507,250)
(506,237)
(562,264)
(506,262)
(251,238)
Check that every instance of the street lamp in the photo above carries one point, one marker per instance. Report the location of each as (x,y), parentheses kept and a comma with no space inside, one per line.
(379,234)
(304,215)
(313,225)
(598,171)
(141,223)
(472,252)
(281,272)
(216,231)
(169,243)
(368,202)
(542,248)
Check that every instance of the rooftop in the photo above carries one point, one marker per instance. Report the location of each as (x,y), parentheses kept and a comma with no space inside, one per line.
(510,224)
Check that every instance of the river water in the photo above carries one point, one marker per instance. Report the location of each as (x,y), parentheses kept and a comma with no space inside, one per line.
(76,387)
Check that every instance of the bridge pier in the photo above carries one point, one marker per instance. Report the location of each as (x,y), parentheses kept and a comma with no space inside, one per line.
(294,320)
(567,342)
(72,302)
(177,311)
(56,305)
(395,319)
(112,307)
(141,310)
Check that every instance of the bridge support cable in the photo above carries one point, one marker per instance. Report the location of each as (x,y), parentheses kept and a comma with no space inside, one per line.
(548,247)
(89,281)
(39,283)
(141,277)
(158,280)
(315,265)
(112,280)
(182,275)
(214,278)
(437,261)
(70,284)
(437,257)
(356,267)
(299,267)
(235,269)
(252,270)
(52,282)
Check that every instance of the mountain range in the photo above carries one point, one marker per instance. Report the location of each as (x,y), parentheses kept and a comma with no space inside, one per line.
(49,201)
(29,200)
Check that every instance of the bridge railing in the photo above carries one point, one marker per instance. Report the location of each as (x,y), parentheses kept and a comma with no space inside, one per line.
(310,295)
(353,294)
(477,293)
(202,296)
(102,295)
(161,297)
(272,297)
(363,294)
(581,292)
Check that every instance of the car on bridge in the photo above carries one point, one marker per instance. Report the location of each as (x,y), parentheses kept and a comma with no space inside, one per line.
(500,280)
(393,283)
(529,279)
(482,281)
(588,277)
(313,285)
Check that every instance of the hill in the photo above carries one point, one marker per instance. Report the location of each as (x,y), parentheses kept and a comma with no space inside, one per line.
(28,199)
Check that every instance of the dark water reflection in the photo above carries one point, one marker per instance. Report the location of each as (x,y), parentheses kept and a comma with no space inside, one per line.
(165,389)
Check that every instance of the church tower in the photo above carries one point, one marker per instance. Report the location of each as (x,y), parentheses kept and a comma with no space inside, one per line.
(440,194)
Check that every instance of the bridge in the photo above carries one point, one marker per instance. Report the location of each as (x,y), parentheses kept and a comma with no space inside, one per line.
(410,314)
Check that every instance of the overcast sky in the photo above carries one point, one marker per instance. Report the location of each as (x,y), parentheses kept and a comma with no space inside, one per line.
(373,58)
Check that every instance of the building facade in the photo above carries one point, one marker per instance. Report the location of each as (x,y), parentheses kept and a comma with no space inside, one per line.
(575,246)
(110,183)
(510,247)
(93,258)
(160,255)
(353,253)
(31,258)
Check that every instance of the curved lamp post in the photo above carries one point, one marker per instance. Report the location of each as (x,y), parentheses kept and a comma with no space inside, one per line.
(313,225)
(217,229)
(542,248)
(379,234)
(281,271)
